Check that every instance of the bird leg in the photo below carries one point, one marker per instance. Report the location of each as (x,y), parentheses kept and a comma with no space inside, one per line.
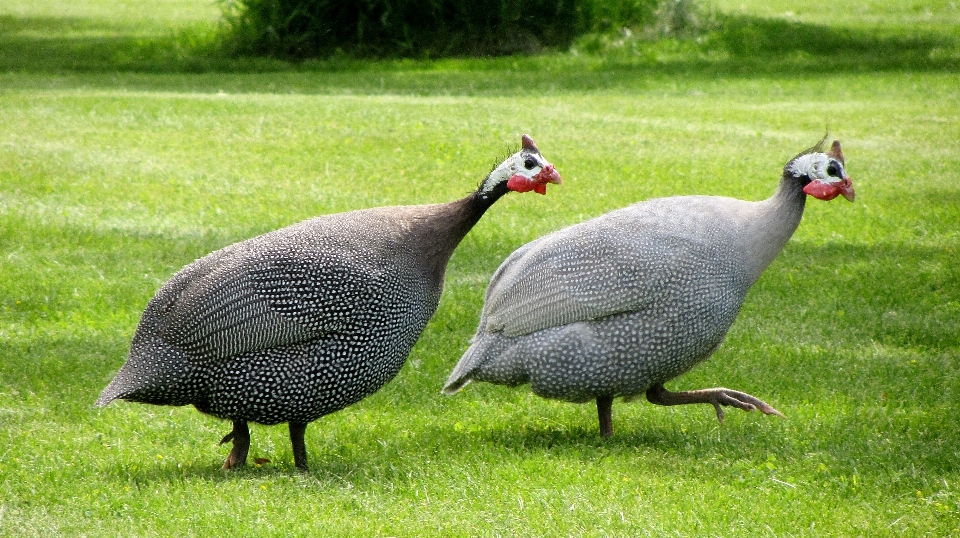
(241,444)
(604,412)
(659,395)
(297,430)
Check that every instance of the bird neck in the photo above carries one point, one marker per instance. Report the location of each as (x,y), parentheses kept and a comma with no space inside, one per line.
(449,224)
(467,211)
(775,221)
(486,195)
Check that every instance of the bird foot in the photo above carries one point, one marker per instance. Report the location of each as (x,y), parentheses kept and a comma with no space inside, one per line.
(716,396)
(241,445)
(233,461)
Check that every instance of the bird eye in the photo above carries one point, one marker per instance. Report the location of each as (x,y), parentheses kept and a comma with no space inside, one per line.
(530,163)
(833,170)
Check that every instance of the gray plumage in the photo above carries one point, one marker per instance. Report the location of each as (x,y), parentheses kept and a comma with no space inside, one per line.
(620,304)
(304,321)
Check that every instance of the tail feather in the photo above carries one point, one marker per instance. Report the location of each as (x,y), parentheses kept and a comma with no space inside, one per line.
(454,386)
(155,373)
(472,359)
(108,395)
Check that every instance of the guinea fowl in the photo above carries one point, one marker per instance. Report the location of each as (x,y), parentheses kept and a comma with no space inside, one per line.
(306,320)
(620,304)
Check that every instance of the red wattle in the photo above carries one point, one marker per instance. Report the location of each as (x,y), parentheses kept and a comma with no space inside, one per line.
(821,190)
(520,183)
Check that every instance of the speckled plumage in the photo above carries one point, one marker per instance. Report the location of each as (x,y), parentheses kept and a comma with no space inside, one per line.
(618,305)
(304,321)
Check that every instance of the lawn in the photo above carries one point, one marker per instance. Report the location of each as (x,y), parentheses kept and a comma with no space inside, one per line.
(128,150)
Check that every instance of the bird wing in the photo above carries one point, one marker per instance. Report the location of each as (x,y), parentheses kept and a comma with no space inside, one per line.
(620,262)
(259,294)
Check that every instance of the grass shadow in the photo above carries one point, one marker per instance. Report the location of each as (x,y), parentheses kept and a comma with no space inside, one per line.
(54,45)
(782,46)
(582,442)
(737,46)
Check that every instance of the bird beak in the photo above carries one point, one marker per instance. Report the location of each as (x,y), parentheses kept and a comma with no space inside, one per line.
(548,174)
(828,191)
(846,189)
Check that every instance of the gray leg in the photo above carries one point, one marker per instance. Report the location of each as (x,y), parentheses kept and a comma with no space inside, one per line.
(605,414)
(657,394)
(241,444)
(299,447)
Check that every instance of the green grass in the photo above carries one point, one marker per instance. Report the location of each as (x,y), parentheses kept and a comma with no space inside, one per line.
(126,151)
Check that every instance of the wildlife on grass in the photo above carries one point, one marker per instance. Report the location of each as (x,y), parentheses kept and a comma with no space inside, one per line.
(303,321)
(618,305)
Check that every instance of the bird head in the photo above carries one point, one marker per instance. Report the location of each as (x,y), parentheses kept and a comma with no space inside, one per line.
(824,172)
(523,171)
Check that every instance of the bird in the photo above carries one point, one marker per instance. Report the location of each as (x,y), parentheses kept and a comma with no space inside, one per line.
(306,320)
(618,305)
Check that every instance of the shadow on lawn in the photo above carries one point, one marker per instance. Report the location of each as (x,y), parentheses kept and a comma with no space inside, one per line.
(739,46)
(848,440)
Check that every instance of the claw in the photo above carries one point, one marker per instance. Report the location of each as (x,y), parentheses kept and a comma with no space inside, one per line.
(240,435)
(719,412)
(716,397)
(743,401)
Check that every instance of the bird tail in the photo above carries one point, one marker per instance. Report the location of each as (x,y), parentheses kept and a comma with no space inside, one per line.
(108,395)
(494,359)
(454,386)
(461,375)
(459,378)
(148,376)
